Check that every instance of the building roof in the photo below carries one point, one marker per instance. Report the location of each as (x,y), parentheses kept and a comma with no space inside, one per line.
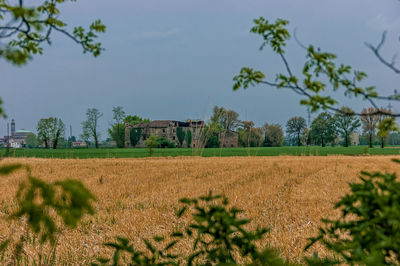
(156,124)
(165,124)
(23,131)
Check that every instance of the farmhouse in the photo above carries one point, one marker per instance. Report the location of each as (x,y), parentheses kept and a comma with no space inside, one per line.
(166,129)
(228,138)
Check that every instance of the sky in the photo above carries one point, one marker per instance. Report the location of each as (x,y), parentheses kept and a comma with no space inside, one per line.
(175,59)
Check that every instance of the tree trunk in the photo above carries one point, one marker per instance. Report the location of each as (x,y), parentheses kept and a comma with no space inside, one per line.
(118,140)
(298,139)
(55,142)
(370,141)
(382,143)
(96,143)
(346,141)
(322,142)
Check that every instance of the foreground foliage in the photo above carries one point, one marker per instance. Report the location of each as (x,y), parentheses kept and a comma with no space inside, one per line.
(368,231)
(40,205)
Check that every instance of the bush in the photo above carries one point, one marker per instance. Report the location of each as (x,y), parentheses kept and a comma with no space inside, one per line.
(151,143)
(213,142)
(165,143)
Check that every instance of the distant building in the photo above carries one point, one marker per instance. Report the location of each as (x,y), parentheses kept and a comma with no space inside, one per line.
(17,137)
(228,138)
(166,129)
(79,144)
(355,138)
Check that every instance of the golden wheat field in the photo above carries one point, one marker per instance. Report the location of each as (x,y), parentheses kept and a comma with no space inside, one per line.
(138,198)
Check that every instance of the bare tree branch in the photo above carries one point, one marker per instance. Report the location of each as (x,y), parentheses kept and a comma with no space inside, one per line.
(376,51)
(298,41)
(303,92)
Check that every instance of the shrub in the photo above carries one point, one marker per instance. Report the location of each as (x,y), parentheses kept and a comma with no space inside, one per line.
(213,142)
(151,143)
(165,143)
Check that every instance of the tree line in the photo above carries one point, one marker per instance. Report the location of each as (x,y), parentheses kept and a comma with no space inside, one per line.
(328,129)
(51,130)
(325,129)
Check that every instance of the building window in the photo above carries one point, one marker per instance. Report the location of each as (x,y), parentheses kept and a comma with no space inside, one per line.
(173,137)
(163,130)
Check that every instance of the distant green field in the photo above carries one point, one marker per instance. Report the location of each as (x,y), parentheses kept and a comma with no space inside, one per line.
(214,152)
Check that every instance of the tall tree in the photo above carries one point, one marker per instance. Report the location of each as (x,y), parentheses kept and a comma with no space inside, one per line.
(346,123)
(91,124)
(43,129)
(117,130)
(273,135)
(31,140)
(218,115)
(181,134)
(385,127)
(250,136)
(231,121)
(85,136)
(135,135)
(134,119)
(57,131)
(211,131)
(50,130)
(323,128)
(228,119)
(295,128)
(189,138)
(370,120)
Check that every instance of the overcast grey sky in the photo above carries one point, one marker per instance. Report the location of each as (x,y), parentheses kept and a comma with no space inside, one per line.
(175,59)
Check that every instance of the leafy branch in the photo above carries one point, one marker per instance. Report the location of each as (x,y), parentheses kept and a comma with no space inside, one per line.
(320,72)
(39,202)
(368,231)
(26,28)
